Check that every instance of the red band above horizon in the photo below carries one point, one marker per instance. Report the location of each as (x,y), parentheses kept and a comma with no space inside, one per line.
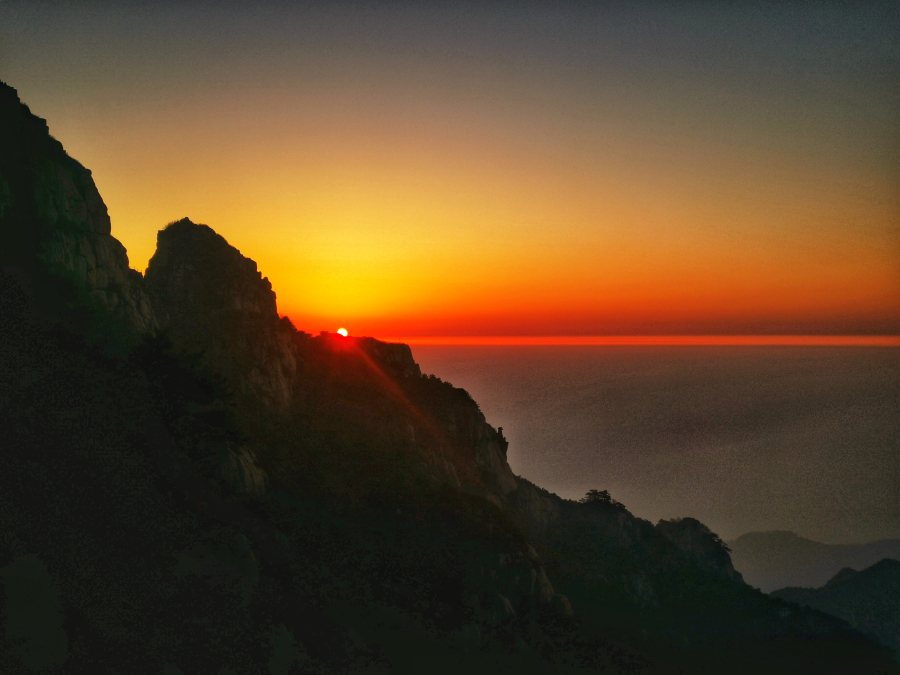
(656,340)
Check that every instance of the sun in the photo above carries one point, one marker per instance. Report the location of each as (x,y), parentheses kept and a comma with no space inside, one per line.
(342,331)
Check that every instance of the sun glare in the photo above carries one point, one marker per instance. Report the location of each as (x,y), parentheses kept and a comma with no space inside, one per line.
(342,331)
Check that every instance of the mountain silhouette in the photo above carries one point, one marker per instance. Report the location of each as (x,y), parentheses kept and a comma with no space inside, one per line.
(192,484)
(771,560)
(868,600)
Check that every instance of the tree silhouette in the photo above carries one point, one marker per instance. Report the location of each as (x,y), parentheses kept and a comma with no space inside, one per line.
(600,497)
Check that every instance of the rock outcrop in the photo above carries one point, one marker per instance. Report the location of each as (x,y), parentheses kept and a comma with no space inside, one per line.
(487,447)
(50,210)
(211,299)
(395,359)
(542,515)
(481,448)
(700,544)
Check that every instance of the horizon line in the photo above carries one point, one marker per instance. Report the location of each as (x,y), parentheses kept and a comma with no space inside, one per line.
(654,340)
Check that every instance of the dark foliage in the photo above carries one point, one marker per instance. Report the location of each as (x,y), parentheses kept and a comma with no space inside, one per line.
(600,498)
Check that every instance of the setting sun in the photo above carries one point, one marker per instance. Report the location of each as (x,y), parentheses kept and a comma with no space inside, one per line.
(342,331)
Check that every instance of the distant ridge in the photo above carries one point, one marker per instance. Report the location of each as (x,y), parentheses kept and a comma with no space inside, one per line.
(869,600)
(771,560)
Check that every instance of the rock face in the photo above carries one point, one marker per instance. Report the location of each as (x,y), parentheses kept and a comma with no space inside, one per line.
(482,456)
(210,298)
(542,515)
(50,210)
(507,585)
(240,469)
(700,544)
(487,447)
(396,359)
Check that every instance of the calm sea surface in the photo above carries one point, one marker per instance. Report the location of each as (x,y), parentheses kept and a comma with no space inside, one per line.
(742,438)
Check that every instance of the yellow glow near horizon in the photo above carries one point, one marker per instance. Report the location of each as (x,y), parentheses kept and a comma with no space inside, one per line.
(498,195)
(382,243)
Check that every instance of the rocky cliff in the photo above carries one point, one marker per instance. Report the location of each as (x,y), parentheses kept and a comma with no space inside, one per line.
(573,535)
(211,299)
(701,544)
(51,211)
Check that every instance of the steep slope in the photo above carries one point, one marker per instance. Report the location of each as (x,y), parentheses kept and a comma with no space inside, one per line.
(770,560)
(702,545)
(868,600)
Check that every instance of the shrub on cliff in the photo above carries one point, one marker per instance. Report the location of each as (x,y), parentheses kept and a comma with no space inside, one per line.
(599,497)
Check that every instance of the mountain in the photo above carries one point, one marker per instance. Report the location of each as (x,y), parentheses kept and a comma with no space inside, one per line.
(211,297)
(770,560)
(868,600)
(190,484)
(55,215)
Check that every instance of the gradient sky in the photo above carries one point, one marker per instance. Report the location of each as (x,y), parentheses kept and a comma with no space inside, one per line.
(500,168)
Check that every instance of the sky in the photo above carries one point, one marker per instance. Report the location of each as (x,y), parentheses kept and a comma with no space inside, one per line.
(498,169)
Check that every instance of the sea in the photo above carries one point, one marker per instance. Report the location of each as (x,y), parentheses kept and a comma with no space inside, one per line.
(743,438)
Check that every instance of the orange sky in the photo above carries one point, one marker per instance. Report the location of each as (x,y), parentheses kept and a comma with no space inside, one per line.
(447,175)
(656,340)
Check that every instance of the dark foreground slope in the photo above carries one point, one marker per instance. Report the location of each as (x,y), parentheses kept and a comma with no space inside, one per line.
(868,599)
(192,485)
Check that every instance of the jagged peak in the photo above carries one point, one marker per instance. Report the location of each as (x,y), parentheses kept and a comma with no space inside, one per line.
(185,239)
(198,232)
(188,223)
(184,222)
(210,297)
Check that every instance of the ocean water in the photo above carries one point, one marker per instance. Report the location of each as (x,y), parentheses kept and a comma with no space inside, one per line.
(742,438)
